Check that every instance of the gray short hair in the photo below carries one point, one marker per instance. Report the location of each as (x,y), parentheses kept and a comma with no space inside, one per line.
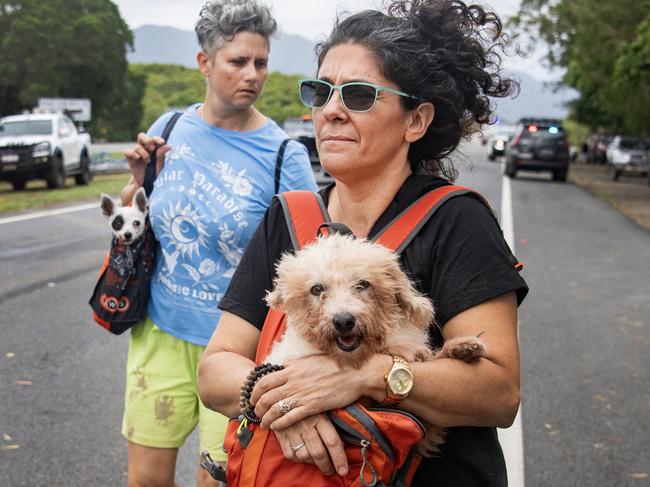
(220,20)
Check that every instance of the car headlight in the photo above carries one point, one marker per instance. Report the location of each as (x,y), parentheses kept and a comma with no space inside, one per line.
(499,145)
(41,150)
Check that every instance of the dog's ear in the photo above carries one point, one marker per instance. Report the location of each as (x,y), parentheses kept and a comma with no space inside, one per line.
(274,298)
(140,200)
(107,205)
(416,307)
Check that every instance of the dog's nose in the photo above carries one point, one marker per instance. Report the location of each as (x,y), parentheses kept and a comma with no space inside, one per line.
(127,236)
(344,322)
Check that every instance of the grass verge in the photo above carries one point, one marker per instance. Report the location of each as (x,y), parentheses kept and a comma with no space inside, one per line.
(36,195)
(630,194)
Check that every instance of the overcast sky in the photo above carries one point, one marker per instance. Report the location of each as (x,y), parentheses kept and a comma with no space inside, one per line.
(308,18)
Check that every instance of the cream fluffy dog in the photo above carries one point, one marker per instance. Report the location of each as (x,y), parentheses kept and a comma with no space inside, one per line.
(348,297)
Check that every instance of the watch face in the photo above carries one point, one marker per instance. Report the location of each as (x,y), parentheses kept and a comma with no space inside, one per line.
(401,381)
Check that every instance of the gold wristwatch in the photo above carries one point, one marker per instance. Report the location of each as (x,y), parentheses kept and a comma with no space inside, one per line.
(399,381)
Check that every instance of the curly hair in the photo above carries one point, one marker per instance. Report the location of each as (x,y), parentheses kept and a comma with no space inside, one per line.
(440,51)
(220,20)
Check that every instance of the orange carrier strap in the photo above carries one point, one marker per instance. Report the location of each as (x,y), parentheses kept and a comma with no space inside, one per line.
(305,212)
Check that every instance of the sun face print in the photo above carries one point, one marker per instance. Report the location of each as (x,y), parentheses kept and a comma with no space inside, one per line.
(187,234)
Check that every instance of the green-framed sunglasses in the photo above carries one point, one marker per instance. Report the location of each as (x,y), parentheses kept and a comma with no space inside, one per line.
(357,96)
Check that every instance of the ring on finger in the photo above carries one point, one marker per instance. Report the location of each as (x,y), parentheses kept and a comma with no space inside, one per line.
(285,406)
(297,447)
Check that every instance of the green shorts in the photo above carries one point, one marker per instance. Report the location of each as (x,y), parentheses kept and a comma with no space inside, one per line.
(162,405)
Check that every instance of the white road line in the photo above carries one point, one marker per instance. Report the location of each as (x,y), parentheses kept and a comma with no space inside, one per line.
(511,439)
(42,214)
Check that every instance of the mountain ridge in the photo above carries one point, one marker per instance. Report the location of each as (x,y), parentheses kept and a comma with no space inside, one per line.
(293,54)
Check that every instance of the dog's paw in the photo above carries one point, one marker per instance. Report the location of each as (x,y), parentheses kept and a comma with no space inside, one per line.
(467,349)
(423,354)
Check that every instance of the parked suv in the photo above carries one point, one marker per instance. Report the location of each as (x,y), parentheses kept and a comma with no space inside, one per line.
(538,145)
(628,154)
(43,146)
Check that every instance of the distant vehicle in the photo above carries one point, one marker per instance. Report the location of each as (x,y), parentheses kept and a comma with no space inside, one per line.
(597,148)
(302,130)
(498,141)
(43,146)
(538,145)
(628,155)
(487,131)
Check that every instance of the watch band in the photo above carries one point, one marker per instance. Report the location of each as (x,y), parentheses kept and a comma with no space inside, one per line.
(393,398)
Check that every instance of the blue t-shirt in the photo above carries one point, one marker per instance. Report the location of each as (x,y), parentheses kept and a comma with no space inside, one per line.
(207,201)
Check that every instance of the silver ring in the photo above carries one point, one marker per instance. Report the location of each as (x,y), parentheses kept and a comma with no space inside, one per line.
(297,447)
(285,406)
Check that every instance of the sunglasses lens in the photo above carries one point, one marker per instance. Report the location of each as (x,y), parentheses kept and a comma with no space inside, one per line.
(314,93)
(359,98)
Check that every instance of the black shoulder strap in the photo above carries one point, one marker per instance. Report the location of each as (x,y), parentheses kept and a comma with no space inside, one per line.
(278,164)
(150,171)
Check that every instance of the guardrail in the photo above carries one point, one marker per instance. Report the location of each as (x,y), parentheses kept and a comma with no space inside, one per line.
(105,162)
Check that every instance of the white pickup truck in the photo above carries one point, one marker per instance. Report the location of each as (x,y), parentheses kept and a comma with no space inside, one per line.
(43,146)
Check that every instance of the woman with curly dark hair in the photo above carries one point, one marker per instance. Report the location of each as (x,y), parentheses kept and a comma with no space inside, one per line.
(395,94)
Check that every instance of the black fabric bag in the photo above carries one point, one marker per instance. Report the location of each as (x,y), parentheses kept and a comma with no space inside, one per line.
(121,294)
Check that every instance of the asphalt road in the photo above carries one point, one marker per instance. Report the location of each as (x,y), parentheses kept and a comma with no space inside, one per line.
(584,333)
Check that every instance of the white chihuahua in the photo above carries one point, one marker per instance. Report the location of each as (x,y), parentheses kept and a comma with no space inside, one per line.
(127,222)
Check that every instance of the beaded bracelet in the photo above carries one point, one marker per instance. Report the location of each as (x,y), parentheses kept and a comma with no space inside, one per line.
(256,374)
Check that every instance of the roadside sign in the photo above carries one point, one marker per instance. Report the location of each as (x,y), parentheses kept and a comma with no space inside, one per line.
(76,108)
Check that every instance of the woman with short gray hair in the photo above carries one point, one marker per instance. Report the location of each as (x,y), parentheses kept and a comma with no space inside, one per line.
(225,162)
(220,21)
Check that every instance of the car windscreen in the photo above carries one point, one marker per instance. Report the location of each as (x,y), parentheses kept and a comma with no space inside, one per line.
(632,144)
(26,127)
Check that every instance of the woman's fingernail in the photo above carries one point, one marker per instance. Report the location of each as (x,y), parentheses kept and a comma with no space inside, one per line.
(343,471)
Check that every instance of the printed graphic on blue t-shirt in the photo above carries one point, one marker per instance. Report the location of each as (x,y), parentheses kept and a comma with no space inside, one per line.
(207,202)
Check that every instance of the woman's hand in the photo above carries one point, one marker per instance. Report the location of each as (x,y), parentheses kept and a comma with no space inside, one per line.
(314,440)
(139,156)
(311,385)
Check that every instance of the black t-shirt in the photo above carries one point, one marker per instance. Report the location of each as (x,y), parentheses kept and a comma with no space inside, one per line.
(459,259)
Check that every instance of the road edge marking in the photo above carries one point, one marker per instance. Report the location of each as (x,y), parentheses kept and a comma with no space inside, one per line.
(45,213)
(511,439)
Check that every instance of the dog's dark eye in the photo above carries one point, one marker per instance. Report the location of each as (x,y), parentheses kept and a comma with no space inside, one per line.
(118,223)
(136,223)
(317,289)
(361,285)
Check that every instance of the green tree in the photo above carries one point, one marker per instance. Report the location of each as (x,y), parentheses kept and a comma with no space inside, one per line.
(280,99)
(167,86)
(64,48)
(121,121)
(603,47)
